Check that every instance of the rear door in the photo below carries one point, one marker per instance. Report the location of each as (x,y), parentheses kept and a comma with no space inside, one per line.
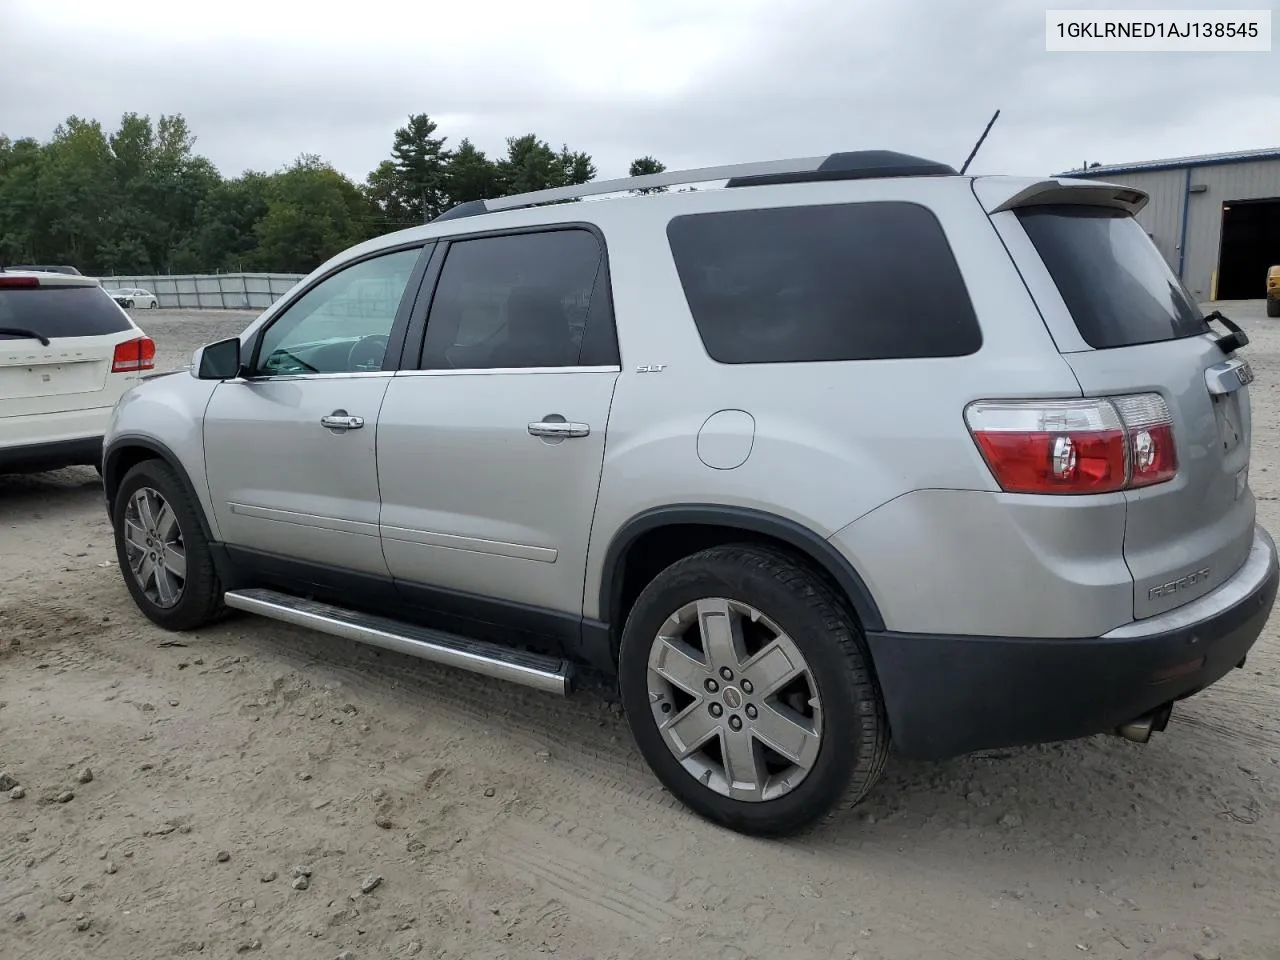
(82,326)
(489,455)
(1126,325)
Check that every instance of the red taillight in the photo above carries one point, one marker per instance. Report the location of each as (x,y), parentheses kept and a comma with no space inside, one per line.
(134,355)
(11,282)
(1153,456)
(1075,446)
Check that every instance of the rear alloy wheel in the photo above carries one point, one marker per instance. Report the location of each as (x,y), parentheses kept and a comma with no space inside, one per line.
(749,690)
(154,305)
(745,725)
(163,553)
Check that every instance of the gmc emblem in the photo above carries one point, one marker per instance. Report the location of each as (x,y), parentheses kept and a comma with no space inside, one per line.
(1182,583)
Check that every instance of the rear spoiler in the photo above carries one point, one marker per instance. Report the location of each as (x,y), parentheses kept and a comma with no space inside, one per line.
(997,194)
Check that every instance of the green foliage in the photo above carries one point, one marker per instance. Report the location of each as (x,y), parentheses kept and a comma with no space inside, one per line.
(312,213)
(532,164)
(643,166)
(472,176)
(419,164)
(140,200)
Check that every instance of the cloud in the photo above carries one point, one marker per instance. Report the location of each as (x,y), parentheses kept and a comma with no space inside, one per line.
(261,81)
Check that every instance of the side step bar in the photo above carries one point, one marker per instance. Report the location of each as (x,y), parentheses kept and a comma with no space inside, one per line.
(549,674)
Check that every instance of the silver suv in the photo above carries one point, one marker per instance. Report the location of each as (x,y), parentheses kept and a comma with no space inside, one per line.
(851,453)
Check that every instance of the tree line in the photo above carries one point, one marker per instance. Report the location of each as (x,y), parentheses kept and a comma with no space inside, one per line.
(140,200)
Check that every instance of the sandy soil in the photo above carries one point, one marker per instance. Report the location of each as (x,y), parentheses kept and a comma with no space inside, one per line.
(503,823)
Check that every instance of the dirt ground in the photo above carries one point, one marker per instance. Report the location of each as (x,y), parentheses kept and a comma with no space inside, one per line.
(508,824)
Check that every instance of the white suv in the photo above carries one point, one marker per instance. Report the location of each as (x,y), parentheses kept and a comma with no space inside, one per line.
(853,452)
(67,354)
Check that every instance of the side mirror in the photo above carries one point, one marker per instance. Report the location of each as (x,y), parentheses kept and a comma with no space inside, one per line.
(217,361)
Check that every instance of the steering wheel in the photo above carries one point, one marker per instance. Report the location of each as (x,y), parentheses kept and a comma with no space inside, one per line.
(367,353)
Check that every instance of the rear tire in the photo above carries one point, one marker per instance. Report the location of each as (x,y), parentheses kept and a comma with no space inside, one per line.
(784,610)
(1273,308)
(163,552)
(155,305)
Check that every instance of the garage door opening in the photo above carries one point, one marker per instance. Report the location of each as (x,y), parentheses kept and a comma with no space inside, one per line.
(1250,244)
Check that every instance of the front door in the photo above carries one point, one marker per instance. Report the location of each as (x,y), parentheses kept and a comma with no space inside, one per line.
(490,455)
(290,447)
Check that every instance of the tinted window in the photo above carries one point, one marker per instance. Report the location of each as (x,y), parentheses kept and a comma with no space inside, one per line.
(342,324)
(526,300)
(863,281)
(61,311)
(1112,278)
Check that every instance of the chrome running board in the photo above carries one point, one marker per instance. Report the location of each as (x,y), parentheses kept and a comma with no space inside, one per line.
(549,674)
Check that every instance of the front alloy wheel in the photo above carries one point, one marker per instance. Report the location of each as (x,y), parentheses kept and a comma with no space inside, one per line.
(157,553)
(734,700)
(163,549)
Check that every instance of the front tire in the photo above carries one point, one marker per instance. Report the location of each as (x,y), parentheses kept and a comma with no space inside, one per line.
(162,549)
(1273,308)
(749,690)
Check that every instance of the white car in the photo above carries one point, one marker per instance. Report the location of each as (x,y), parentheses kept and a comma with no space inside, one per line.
(137,298)
(67,354)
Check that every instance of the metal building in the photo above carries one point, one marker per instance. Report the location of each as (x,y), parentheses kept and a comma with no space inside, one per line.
(1216,218)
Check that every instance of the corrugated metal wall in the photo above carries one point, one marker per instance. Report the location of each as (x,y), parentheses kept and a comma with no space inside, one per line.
(1237,181)
(223,291)
(1162,216)
(1255,180)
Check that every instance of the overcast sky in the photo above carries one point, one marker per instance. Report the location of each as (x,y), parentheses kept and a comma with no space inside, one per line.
(692,82)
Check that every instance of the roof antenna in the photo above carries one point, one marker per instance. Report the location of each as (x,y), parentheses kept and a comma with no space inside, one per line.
(974,151)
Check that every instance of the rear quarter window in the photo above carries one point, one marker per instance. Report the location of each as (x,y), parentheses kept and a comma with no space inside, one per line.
(856,281)
(61,311)
(1116,284)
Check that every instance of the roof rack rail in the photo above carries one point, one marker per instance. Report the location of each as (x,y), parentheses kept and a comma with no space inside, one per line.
(849,165)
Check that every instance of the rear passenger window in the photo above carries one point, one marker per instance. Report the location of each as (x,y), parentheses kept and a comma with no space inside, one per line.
(523,300)
(857,281)
(58,311)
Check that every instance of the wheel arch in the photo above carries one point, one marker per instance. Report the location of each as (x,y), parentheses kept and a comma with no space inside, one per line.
(126,452)
(679,530)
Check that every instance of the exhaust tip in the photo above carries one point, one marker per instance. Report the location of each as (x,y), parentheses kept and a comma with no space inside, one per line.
(1140,729)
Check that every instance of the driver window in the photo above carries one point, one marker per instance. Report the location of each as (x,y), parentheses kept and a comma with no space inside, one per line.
(341,325)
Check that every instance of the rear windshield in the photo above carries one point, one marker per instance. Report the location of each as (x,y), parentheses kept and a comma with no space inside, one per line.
(60,312)
(853,281)
(1114,281)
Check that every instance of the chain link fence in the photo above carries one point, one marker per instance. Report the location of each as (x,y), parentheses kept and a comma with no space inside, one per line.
(222,291)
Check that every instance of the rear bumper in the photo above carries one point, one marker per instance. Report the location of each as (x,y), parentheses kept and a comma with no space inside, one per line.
(35,457)
(949,695)
(46,429)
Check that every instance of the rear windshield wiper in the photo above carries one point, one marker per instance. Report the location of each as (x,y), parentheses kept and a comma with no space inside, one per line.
(1234,340)
(24,332)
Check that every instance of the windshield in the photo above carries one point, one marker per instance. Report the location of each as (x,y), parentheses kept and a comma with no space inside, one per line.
(1112,278)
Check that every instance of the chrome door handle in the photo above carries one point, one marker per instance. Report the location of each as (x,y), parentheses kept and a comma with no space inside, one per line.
(339,420)
(558,429)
